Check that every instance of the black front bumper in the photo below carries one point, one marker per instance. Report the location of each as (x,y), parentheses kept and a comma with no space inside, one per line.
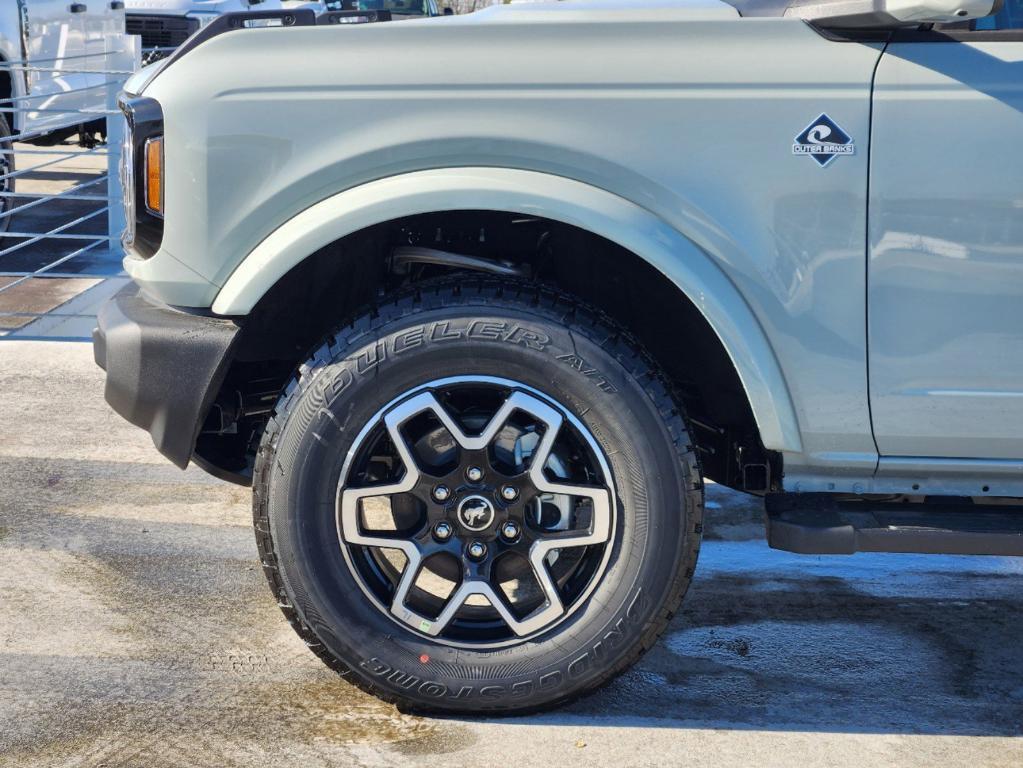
(164,367)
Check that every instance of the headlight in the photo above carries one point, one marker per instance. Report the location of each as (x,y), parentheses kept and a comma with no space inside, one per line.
(128,184)
(142,175)
(203,17)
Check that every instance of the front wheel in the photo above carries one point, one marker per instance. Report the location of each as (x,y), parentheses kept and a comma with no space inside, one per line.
(480,497)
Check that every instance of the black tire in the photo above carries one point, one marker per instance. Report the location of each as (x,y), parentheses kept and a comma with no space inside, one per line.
(583,361)
(6,167)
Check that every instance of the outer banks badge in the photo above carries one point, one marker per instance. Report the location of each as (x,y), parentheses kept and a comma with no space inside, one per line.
(823,140)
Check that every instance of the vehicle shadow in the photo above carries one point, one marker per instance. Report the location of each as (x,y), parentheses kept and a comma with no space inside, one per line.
(893,644)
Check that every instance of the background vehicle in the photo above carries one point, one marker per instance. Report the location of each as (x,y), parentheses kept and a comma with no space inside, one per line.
(475,345)
(317,6)
(163,25)
(52,57)
(399,9)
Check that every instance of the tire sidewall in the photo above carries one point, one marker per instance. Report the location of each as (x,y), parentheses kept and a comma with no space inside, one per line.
(367,367)
(6,144)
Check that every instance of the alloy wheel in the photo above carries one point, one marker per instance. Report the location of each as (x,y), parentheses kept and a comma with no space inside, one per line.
(476,511)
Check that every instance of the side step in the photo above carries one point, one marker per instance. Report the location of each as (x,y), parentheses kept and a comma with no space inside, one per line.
(827,524)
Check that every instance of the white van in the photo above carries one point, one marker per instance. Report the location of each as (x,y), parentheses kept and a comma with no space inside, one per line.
(65,44)
(53,54)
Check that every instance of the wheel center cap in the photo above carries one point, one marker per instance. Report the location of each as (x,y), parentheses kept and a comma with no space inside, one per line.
(475,513)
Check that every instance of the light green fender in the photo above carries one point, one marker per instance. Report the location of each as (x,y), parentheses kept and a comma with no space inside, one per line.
(553,197)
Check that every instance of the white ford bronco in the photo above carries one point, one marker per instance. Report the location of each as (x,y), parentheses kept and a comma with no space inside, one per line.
(476,342)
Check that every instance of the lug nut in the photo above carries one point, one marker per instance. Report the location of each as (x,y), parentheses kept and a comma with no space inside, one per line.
(475,474)
(441,493)
(508,493)
(442,531)
(477,550)
(510,530)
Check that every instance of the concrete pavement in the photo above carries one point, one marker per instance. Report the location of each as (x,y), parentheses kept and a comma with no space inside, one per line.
(136,630)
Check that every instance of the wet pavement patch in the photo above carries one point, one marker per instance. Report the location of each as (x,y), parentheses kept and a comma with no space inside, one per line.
(21,304)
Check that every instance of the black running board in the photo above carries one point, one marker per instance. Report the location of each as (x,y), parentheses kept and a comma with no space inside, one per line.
(825,524)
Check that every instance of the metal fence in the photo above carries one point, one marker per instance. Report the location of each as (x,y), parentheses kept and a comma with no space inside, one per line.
(65,204)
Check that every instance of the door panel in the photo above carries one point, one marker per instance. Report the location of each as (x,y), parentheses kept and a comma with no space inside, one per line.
(945,284)
(104,40)
(56,41)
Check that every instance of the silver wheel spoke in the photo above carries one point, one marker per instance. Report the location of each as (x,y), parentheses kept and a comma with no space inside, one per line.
(600,526)
(528,625)
(351,530)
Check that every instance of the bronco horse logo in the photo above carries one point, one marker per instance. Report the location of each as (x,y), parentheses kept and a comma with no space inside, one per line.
(476,513)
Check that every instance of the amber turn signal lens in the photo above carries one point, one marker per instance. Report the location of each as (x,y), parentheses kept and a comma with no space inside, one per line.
(154,175)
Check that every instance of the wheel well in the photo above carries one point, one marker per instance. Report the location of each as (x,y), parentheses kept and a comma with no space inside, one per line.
(338,281)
